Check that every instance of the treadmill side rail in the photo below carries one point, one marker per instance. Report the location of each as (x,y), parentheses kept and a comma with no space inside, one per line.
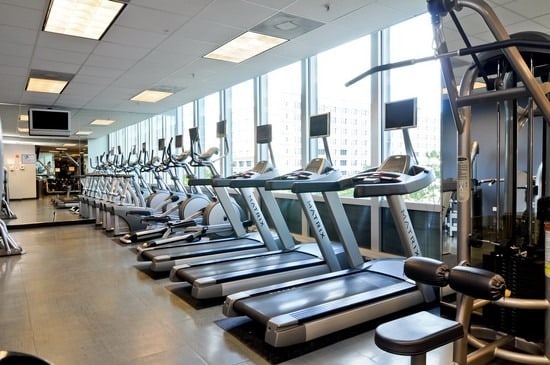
(287,330)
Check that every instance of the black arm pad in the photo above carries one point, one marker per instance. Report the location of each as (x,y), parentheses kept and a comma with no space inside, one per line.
(427,271)
(182,224)
(139,212)
(477,283)
(156,218)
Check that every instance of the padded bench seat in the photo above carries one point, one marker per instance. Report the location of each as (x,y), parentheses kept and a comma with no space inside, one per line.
(416,334)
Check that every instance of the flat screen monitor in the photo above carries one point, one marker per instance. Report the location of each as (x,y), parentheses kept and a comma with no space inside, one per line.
(263,134)
(319,125)
(49,122)
(220,129)
(194,134)
(400,114)
(161,144)
(179,141)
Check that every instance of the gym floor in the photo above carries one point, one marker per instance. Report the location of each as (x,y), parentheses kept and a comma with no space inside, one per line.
(78,297)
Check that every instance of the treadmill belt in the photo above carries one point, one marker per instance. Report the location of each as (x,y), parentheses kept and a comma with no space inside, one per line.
(264,307)
(200,249)
(250,265)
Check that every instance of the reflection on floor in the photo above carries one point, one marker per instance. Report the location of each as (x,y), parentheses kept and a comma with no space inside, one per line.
(42,211)
(77,297)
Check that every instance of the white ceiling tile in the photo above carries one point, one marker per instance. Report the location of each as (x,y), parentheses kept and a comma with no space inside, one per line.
(150,20)
(60,55)
(32,98)
(47,65)
(21,17)
(92,79)
(17,35)
(11,62)
(317,9)
(16,49)
(31,4)
(207,31)
(536,8)
(273,4)
(236,13)
(133,37)
(121,64)
(60,41)
(115,50)
(102,72)
(187,7)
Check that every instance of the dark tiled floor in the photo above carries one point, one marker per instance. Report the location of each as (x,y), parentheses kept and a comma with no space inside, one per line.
(76,297)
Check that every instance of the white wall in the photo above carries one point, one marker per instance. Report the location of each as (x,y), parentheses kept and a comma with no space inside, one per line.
(19,160)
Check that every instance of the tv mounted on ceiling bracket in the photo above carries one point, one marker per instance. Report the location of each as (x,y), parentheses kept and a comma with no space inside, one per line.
(49,122)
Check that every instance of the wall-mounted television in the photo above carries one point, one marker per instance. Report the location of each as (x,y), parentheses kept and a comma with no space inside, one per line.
(319,125)
(400,114)
(49,122)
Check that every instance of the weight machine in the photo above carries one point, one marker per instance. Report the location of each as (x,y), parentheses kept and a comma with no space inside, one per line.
(515,69)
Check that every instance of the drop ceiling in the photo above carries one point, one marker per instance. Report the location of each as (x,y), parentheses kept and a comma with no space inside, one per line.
(160,44)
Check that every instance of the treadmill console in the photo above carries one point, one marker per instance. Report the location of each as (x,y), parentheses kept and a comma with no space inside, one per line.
(315,167)
(390,171)
(396,163)
(261,167)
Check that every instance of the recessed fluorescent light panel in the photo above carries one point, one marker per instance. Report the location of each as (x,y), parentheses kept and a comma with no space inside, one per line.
(83,133)
(151,96)
(102,122)
(82,18)
(45,85)
(47,81)
(244,47)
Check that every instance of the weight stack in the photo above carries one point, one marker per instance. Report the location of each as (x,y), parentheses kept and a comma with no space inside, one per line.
(525,279)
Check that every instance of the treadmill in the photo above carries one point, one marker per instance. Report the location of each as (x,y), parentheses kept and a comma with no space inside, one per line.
(164,257)
(214,279)
(303,310)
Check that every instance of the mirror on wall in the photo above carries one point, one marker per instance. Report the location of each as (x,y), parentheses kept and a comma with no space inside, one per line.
(43,183)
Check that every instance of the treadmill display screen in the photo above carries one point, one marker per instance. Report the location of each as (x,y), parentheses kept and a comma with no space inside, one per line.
(400,114)
(319,125)
(220,129)
(194,134)
(263,134)
(179,141)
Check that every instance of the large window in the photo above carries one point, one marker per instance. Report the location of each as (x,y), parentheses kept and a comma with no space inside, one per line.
(284,113)
(209,116)
(413,39)
(185,120)
(241,104)
(349,106)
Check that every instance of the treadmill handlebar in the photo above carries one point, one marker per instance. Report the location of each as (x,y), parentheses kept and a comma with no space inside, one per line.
(372,182)
(382,183)
(286,182)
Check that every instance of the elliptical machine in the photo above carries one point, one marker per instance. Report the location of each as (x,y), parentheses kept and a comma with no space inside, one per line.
(223,217)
